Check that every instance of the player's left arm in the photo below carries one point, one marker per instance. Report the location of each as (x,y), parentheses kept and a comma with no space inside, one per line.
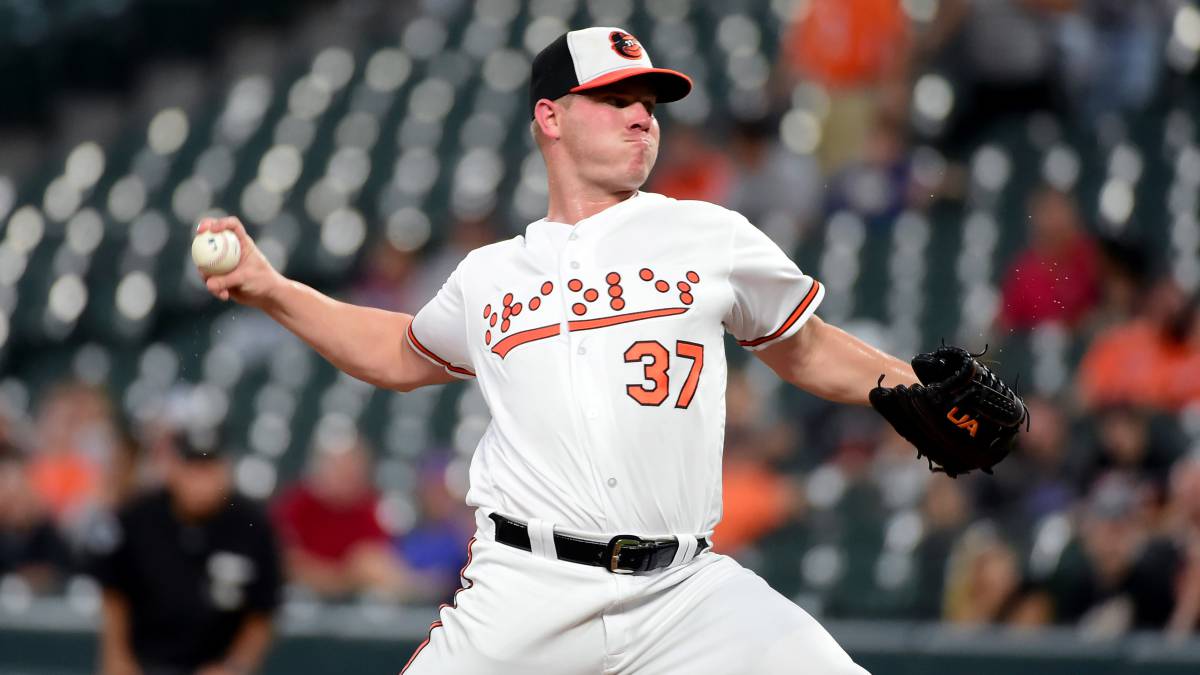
(826,361)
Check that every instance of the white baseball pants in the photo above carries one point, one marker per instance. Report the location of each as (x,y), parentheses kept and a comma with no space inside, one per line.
(520,613)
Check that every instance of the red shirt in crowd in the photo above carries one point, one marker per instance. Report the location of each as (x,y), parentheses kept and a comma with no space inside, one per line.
(1042,288)
(323,530)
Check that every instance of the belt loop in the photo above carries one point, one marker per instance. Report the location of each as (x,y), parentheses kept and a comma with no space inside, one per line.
(541,539)
(686,550)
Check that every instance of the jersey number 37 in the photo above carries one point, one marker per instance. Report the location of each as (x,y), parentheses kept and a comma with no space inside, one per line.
(655,360)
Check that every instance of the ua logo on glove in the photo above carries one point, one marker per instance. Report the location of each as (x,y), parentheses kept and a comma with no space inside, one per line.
(964,422)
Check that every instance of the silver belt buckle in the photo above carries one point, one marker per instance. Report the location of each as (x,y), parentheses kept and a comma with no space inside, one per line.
(615,546)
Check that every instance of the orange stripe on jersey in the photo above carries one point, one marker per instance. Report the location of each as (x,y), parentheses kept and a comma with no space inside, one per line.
(592,324)
(515,340)
(791,320)
(412,337)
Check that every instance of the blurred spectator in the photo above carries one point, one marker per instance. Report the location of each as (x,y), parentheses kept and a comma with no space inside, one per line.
(436,547)
(1118,576)
(1184,526)
(389,280)
(768,179)
(691,168)
(1003,57)
(1112,54)
(1124,281)
(1056,277)
(75,444)
(1132,441)
(333,542)
(1034,481)
(879,186)
(945,512)
(857,50)
(30,546)
(1151,360)
(193,577)
(983,579)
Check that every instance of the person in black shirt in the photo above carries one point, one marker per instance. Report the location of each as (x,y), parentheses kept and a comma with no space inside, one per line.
(192,578)
(30,546)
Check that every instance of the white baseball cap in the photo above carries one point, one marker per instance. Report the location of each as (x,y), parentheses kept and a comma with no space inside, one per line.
(585,59)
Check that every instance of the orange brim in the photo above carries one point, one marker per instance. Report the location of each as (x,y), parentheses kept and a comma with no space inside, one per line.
(670,85)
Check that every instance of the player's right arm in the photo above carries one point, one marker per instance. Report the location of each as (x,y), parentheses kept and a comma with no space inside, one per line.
(364,342)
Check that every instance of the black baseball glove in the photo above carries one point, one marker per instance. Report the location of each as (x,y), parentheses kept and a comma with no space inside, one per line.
(960,417)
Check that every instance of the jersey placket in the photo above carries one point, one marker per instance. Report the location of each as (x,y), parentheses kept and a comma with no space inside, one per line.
(577,261)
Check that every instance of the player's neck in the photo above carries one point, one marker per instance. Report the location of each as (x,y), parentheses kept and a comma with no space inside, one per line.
(573,203)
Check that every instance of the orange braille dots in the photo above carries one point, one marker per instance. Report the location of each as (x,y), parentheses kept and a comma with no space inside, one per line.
(492,320)
(504,326)
(590,295)
(614,291)
(646,274)
(547,288)
(579,308)
(685,298)
(534,303)
(617,304)
(613,278)
(662,286)
(487,337)
(693,277)
(508,298)
(575,285)
(487,310)
(516,309)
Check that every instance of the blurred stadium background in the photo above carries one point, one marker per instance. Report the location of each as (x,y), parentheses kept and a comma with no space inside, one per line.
(1022,174)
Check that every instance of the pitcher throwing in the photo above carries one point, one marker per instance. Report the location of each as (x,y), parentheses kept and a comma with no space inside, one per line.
(597,340)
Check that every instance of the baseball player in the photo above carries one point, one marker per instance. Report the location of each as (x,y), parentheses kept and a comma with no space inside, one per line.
(596,338)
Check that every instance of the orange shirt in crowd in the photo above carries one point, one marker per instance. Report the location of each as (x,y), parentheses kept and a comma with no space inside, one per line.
(64,481)
(757,500)
(846,43)
(1134,363)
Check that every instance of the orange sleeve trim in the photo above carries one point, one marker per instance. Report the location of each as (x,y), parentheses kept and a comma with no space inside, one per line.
(791,320)
(412,337)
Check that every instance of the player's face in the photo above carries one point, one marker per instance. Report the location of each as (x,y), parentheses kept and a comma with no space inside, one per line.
(612,135)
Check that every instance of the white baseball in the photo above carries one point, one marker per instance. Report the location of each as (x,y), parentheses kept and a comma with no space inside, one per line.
(216,253)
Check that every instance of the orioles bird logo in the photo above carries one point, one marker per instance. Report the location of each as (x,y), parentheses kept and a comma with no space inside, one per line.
(625,45)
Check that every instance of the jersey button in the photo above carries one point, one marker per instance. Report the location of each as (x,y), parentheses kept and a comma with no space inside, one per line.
(612,482)
(574,264)
(581,351)
(573,236)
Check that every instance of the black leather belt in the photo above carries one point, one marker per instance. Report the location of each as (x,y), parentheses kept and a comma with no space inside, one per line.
(623,554)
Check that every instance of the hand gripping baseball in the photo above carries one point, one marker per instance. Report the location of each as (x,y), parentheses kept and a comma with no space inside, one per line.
(253,280)
(960,417)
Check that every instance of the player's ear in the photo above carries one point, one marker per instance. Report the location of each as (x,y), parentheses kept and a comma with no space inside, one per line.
(547,115)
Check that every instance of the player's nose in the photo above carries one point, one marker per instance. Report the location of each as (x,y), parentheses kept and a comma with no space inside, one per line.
(639,116)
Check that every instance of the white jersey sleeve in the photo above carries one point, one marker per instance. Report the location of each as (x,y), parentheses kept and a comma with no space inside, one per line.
(772,298)
(439,331)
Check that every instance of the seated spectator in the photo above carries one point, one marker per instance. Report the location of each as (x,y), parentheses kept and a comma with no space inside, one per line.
(983,579)
(333,541)
(1151,360)
(1184,526)
(436,547)
(1057,276)
(879,186)
(1034,481)
(767,178)
(1118,575)
(1132,441)
(192,579)
(945,512)
(691,168)
(73,452)
(30,547)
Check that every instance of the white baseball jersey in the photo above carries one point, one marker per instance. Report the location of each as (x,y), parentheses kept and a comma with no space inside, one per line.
(599,350)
